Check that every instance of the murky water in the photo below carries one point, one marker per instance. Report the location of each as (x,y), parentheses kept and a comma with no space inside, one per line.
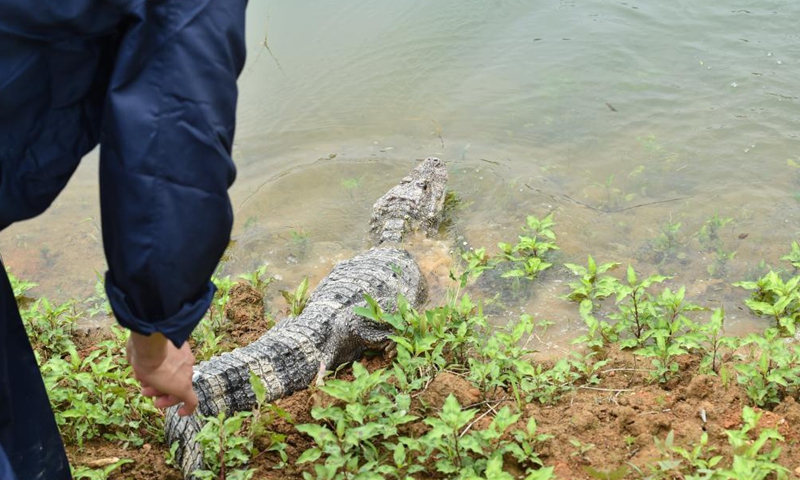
(635,122)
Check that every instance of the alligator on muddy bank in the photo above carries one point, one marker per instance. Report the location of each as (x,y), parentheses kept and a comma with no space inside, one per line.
(327,333)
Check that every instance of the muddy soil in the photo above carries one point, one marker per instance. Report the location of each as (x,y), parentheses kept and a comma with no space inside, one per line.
(247,314)
(616,421)
(148,461)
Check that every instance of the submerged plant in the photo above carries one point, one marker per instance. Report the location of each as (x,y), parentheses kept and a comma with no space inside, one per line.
(525,259)
(592,284)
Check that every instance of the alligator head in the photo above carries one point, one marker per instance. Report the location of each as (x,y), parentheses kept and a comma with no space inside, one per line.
(417,202)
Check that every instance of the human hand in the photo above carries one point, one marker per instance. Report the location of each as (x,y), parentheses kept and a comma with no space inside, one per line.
(164,371)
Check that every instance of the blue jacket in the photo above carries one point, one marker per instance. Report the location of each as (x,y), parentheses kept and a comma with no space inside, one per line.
(154,83)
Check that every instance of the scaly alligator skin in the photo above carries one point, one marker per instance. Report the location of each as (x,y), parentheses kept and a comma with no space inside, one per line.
(416,203)
(327,333)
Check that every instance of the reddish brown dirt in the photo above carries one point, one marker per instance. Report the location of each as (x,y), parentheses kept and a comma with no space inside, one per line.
(86,339)
(148,461)
(616,420)
(245,310)
(620,417)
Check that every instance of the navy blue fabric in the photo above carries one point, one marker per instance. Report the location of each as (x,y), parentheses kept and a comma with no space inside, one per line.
(29,437)
(5,466)
(154,82)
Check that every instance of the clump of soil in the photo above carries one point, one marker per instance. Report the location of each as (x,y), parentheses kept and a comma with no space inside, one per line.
(446,384)
(246,311)
(148,461)
(86,339)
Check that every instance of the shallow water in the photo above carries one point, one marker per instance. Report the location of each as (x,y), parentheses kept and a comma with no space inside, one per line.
(620,117)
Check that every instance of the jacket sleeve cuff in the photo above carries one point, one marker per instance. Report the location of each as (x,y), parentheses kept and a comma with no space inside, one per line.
(176,328)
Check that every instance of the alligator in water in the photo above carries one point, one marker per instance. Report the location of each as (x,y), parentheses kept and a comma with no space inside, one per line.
(327,333)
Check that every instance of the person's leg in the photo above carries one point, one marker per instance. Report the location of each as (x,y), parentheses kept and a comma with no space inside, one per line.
(28,432)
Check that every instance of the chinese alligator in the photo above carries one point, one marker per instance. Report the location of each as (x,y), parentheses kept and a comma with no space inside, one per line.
(327,333)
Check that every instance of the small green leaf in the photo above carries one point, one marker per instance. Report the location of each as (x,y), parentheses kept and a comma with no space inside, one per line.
(310,455)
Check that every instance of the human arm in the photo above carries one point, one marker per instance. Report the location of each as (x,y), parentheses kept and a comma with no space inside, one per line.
(164,370)
(164,173)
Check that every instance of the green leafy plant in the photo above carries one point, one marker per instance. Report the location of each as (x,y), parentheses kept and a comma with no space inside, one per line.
(50,327)
(525,259)
(708,235)
(528,268)
(679,462)
(754,459)
(499,364)
(19,287)
(299,242)
(477,262)
(231,443)
(226,452)
(524,450)
(716,347)
(209,334)
(581,449)
(461,452)
(349,437)
(667,242)
(794,256)
(424,341)
(97,304)
(264,416)
(444,439)
(635,312)
(662,339)
(297,299)
(528,255)
(208,337)
(586,366)
(88,473)
(773,371)
(222,295)
(258,278)
(614,196)
(93,396)
(592,284)
(775,298)
(720,264)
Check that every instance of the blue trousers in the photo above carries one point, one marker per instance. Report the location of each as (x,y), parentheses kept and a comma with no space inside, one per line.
(30,445)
